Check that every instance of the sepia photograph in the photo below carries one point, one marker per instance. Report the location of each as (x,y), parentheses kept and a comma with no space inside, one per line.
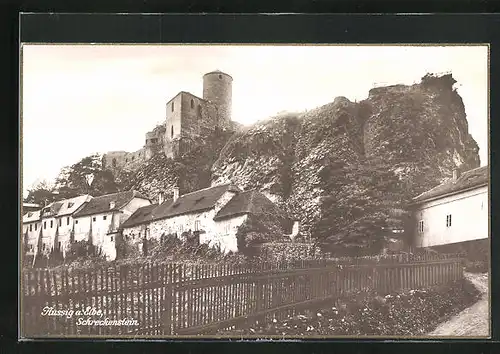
(254,191)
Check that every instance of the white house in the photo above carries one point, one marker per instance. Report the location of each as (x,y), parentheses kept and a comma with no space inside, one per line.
(215,213)
(100,219)
(52,225)
(453,212)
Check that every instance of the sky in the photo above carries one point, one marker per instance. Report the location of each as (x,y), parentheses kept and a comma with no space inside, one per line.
(82,99)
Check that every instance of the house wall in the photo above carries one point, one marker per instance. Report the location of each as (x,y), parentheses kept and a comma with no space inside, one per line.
(33,234)
(105,226)
(134,234)
(182,223)
(224,233)
(469,219)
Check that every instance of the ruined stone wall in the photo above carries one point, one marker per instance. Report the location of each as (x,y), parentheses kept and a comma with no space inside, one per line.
(172,124)
(191,118)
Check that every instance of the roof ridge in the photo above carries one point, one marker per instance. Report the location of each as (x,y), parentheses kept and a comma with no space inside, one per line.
(204,189)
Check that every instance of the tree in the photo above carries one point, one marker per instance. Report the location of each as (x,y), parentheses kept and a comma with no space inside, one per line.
(41,193)
(364,200)
(87,176)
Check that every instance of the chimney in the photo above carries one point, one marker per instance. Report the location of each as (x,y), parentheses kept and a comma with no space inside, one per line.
(176,193)
(160,198)
(112,205)
(456,174)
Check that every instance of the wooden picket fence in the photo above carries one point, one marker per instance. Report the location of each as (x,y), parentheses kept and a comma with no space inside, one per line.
(165,299)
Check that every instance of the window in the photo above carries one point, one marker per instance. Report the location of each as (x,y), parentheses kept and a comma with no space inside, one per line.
(133,158)
(220,77)
(93,219)
(36,226)
(172,106)
(192,103)
(114,162)
(59,245)
(172,131)
(43,247)
(76,221)
(60,222)
(51,224)
(421,226)
(448,220)
(104,217)
(197,225)
(31,227)
(30,215)
(111,238)
(45,224)
(70,204)
(67,220)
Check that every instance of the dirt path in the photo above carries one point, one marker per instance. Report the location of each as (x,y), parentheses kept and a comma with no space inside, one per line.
(474,320)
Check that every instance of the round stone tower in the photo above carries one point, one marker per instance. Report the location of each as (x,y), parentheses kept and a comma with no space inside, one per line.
(217,89)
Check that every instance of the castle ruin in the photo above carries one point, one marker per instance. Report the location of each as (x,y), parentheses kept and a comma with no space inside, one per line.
(187,117)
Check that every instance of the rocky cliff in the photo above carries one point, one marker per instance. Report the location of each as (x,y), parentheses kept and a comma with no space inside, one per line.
(347,170)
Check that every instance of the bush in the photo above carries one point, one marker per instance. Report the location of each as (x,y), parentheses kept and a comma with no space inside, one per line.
(477,266)
(83,250)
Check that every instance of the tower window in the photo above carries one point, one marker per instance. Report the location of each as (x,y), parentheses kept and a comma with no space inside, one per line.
(67,220)
(31,227)
(220,77)
(172,131)
(192,103)
(448,220)
(172,106)
(421,226)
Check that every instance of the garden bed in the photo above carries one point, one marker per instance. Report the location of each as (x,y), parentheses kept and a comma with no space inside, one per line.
(411,313)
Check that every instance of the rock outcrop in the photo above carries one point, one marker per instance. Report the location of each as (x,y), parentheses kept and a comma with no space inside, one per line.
(347,170)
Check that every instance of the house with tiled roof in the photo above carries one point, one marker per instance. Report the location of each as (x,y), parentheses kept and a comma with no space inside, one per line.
(455,211)
(101,218)
(214,213)
(51,226)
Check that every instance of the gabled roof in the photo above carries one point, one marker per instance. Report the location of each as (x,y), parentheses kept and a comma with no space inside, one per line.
(141,216)
(31,216)
(199,200)
(203,199)
(58,208)
(249,202)
(475,178)
(52,209)
(69,206)
(98,205)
